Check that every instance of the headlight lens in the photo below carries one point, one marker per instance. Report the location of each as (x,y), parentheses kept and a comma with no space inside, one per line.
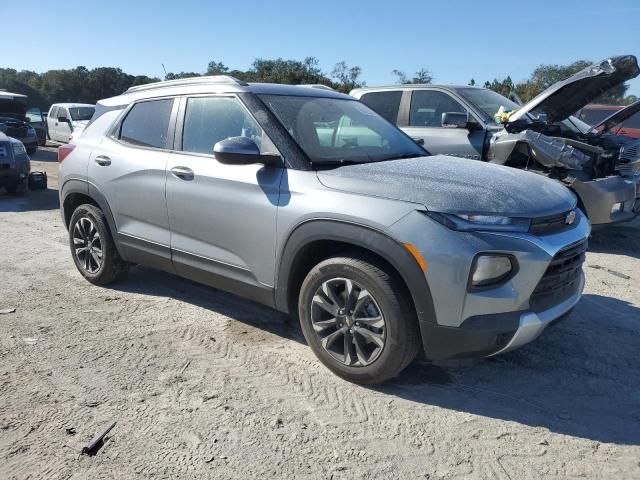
(470,222)
(18,148)
(490,269)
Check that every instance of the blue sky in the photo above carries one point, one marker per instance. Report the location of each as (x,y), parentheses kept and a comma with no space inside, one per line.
(456,40)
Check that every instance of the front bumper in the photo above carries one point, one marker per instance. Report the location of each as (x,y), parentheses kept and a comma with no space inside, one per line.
(487,322)
(600,195)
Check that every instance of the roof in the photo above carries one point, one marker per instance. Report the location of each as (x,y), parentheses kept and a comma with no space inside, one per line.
(411,86)
(217,84)
(10,95)
(72,105)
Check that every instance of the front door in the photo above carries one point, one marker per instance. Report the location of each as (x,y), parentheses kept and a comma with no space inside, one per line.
(222,217)
(63,125)
(425,123)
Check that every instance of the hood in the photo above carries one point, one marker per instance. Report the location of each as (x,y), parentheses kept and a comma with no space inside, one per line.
(454,185)
(563,99)
(12,107)
(618,117)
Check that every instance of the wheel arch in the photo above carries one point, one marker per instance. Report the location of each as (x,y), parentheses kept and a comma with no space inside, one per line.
(315,240)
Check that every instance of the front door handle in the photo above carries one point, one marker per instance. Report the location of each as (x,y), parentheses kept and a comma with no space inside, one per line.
(183,173)
(103,160)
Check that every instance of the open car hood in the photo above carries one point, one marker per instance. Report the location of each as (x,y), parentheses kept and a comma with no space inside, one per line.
(12,107)
(563,99)
(619,116)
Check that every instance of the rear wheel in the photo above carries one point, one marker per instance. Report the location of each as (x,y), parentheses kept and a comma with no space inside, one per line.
(18,188)
(358,319)
(92,246)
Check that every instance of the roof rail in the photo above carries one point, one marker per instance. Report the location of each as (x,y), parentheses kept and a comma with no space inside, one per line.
(188,81)
(317,85)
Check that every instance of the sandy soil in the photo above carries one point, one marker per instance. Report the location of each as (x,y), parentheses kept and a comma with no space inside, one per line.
(205,385)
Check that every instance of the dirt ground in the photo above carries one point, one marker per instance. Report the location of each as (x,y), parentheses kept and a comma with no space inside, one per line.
(205,385)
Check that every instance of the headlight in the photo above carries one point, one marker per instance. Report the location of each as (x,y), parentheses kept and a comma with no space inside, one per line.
(490,269)
(469,222)
(18,148)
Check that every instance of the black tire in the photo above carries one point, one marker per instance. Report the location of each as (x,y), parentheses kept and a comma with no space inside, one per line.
(401,331)
(18,188)
(111,267)
(32,150)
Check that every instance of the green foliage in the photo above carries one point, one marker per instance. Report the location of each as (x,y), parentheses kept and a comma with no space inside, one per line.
(422,76)
(74,85)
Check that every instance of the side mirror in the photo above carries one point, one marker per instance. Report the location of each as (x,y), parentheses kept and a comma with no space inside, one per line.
(63,119)
(241,151)
(455,120)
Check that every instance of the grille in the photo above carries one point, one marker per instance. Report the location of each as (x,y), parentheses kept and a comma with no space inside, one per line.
(628,169)
(629,153)
(548,225)
(561,279)
(16,132)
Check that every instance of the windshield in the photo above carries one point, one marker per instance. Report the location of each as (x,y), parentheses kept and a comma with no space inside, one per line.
(81,113)
(34,115)
(488,101)
(336,131)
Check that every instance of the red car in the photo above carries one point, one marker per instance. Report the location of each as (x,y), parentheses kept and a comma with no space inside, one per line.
(613,119)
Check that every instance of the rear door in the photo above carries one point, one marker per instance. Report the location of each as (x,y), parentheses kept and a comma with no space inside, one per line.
(425,123)
(128,168)
(222,217)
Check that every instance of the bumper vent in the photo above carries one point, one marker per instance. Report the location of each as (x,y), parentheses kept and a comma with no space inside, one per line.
(562,278)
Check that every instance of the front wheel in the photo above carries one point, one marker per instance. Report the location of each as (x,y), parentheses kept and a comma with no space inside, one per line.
(92,246)
(358,319)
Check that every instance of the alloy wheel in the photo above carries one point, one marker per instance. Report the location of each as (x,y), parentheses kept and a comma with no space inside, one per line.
(87,245)
(348,321)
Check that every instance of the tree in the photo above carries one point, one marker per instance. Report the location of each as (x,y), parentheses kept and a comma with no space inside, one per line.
(422,76)
(503,87)
(471,83)
(176,76)
(217,68)
(347,78)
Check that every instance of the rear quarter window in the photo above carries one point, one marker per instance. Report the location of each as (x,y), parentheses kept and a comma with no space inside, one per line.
(147,124)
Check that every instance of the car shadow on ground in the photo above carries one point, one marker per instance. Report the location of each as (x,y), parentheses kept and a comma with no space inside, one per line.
(579,378)
(620,239)
(30,201)
(45,154)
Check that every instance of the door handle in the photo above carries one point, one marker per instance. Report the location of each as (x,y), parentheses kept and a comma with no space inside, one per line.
(103,160)
(183,173)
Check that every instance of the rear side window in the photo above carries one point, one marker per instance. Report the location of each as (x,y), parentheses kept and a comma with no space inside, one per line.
(427,107)
(211,119)
(386,104)
(147,124)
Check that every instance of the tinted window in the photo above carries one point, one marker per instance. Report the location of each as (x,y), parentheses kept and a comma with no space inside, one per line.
(147,124)
(385,104)
(338,131)
(81,113)
(594,116)
(427,107)
(211,119)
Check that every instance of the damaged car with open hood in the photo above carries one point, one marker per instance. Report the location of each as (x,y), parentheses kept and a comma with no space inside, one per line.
(481,124)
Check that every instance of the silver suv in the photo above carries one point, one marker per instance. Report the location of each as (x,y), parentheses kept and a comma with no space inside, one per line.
(307,201)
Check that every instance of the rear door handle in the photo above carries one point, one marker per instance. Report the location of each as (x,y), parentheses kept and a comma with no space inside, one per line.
(183,173)
(103,160)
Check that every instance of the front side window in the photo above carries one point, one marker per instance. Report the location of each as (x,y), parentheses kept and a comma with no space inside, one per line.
(62,113)
(427,107)
(54,112)
(81,113)
(147,124)
(211,119)
(339,131)
(386,104)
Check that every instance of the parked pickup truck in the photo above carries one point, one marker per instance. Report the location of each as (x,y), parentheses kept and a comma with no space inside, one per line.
(464,121)
(67,119)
